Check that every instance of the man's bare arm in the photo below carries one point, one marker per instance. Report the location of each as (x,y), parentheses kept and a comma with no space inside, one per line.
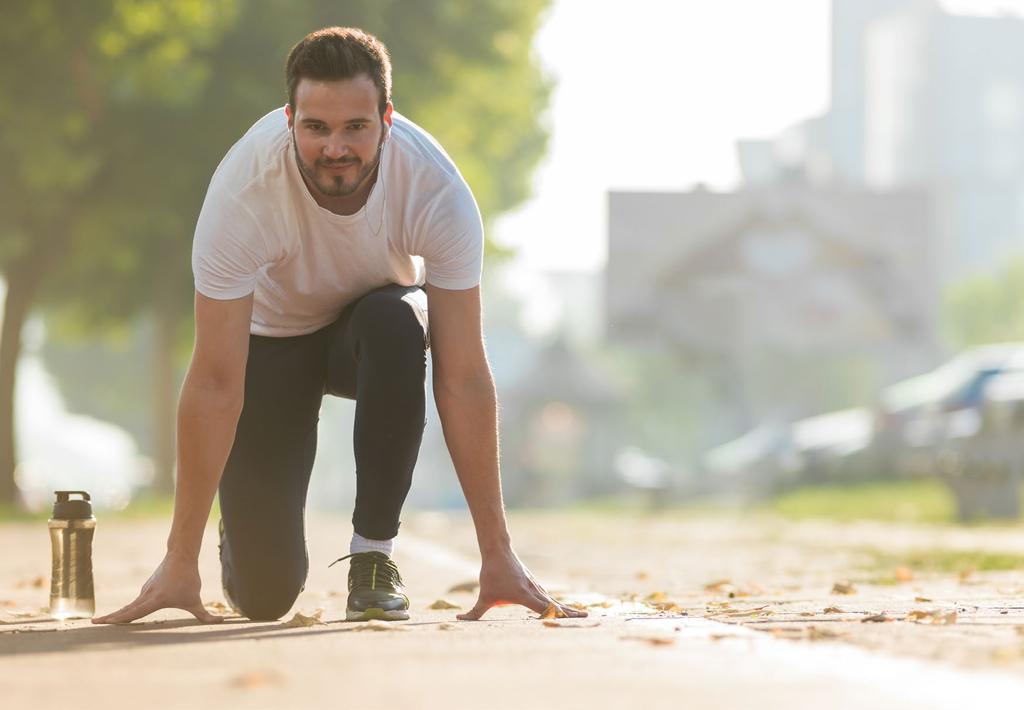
(208,410)
(466,400)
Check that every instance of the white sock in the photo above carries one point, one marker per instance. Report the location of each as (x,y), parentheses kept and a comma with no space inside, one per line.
(365,544)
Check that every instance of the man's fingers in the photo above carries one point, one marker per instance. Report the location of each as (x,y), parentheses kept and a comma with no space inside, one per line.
(573,612)
(200,612)
(128,613)
(476,612)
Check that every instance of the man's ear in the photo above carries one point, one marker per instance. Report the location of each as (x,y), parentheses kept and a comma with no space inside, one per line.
(387,114)
(289,115)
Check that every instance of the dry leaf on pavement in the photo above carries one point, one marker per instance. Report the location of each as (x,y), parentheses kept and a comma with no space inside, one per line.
(719,586)
(379,625)
(833,610)
(552,612)
(876,618)
(815,633)
(652,640)
(656,597)
(37,582)
(470,586)
(642,575)
(257,679)
(302,620)
(221,608)
(443,604)
(937,617)
(844,587)
(922,599)
(448,626)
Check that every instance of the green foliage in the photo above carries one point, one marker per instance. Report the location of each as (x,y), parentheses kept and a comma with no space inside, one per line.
(925,501)
(117,112)
(987,309)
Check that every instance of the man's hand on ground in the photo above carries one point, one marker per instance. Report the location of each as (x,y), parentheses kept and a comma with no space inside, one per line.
(174,585)
(504,579)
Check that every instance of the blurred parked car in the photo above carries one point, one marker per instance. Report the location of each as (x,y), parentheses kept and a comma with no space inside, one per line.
(913,417)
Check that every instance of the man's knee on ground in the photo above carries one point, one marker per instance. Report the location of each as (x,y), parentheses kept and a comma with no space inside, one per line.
(265,602)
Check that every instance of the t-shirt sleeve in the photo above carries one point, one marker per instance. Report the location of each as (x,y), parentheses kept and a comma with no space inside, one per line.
(453,240)
(228,250)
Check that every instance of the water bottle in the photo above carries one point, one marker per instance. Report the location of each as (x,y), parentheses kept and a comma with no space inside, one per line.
(71,530)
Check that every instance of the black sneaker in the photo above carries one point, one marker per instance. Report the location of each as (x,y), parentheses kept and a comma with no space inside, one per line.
(374,588)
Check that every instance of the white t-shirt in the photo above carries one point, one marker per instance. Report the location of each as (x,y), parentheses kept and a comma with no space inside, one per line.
(260,230)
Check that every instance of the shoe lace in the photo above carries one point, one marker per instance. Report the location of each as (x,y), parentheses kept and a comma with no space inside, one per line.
(371,570)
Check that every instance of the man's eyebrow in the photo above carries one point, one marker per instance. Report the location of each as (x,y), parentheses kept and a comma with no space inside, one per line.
(347,121)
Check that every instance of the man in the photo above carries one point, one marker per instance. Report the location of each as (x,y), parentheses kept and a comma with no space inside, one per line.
(318,228)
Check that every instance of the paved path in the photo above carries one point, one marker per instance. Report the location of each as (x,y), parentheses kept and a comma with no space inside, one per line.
(771,644)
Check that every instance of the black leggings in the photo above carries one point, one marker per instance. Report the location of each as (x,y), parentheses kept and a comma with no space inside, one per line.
(374,353)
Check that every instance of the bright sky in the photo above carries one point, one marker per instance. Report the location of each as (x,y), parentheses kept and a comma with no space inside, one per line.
(653,94)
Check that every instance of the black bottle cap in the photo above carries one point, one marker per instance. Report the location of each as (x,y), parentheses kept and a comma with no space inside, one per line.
(65,508)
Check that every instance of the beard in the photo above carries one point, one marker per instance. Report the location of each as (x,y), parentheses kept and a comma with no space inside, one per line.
(337,185)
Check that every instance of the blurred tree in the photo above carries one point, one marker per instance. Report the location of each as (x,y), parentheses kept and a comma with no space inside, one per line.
(987,309)
(463,70)
(68,71)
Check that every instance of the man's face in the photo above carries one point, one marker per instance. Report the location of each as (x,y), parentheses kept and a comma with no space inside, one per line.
(337,132)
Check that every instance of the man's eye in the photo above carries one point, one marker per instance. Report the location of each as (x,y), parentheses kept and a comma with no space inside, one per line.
(357,126)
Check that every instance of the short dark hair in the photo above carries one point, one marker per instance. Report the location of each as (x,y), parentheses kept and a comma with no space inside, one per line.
(336,54)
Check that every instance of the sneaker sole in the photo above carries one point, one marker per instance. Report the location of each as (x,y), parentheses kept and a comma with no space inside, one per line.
(374,613)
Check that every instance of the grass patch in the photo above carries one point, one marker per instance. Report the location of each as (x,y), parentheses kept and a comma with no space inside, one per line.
(938,561)
(923,501)
(144,507)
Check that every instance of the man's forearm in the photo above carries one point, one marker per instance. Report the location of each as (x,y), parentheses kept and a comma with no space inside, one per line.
(469,417)
(207,418)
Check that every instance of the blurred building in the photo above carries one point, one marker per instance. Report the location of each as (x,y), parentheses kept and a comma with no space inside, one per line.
(923,100)
(765,287)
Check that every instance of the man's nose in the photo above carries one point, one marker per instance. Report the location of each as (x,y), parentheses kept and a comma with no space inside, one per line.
(335,147)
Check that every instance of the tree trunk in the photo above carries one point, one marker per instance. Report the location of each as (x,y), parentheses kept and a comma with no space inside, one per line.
(165,391)
(23,280)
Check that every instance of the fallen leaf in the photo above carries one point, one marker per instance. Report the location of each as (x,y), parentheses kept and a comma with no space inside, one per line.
(922,599)
(302,620)
(670,607)
(876,618)
(642,576)
(833,610)
(257,679)
(8,602)
(843,587)
(652,640)
(1006,654)
(217,607)
(24,613)
(553,612)
(656,597)
(937,617)
(443,604)
(379,625)
(965,574)
(447,626)
(719,586)
(903,574)
(718,605)
(807,613)
(470,586)
(815,633)
(719,637)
